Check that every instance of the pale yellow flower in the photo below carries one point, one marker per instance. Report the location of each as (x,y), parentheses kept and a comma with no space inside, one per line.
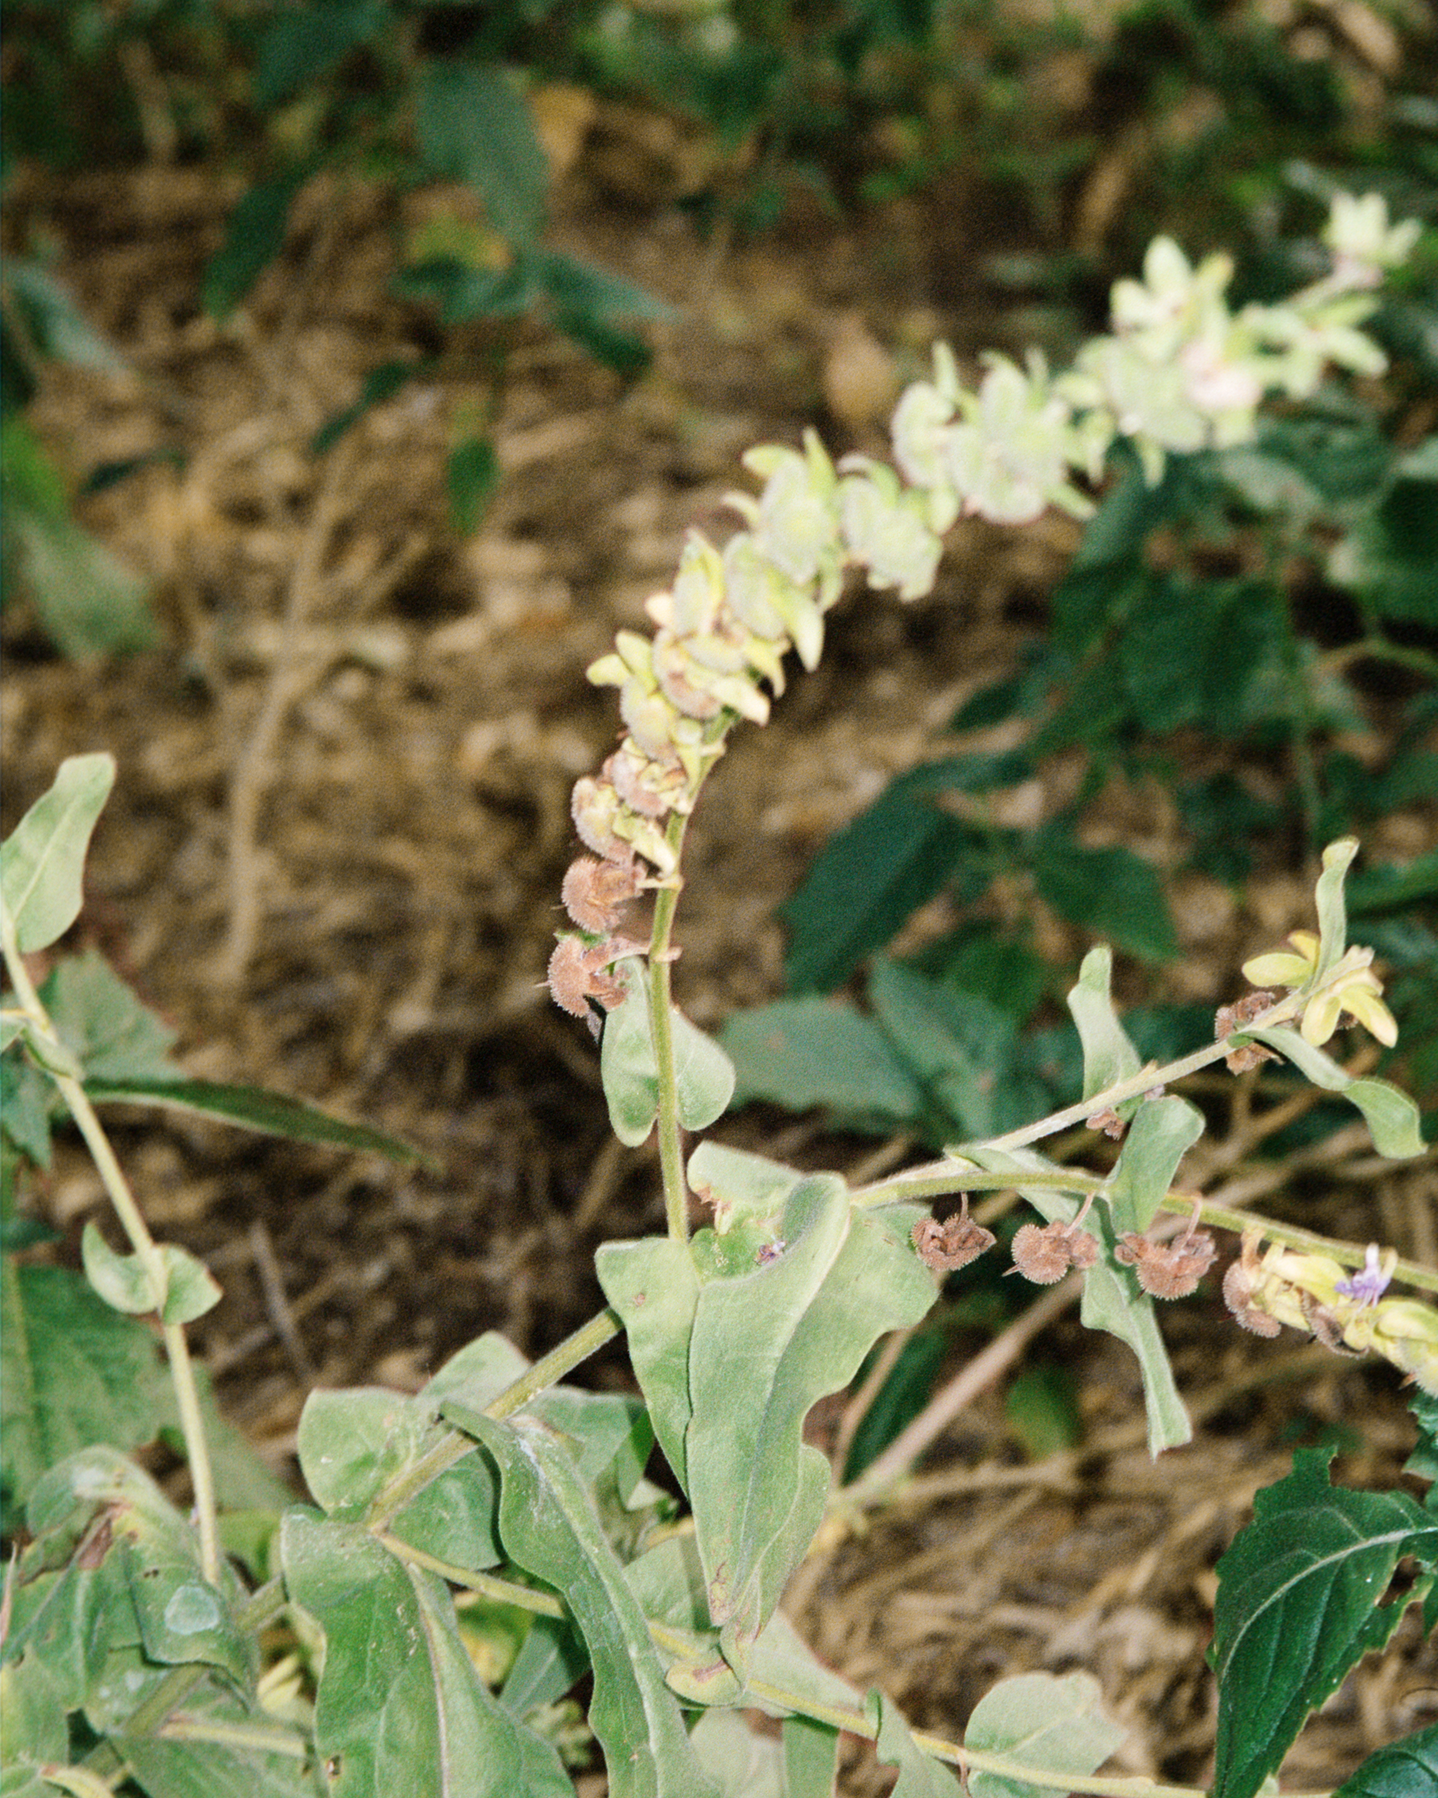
(1351,987)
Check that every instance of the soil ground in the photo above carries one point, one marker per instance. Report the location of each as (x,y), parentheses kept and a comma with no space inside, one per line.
(333,854)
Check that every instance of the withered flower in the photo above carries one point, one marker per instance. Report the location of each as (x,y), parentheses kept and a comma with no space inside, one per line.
(578,972)
(1108,1121)
(1045,1253)
(1238,1285)
(595,893)
(1231,1018)
(1169,1270)
(951,1244)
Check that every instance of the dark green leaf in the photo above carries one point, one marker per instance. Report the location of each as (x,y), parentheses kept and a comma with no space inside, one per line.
(1042,1409)
(1298,1607)
(252,1108)
(1390,556)
(1406,1769)
(868,879)
(1393,885)
(76,1373)
(905,1392)
(958,1047)
(256,235)
(380,384)
(1108,893)
(473,126)
(303,43)
(472,475)
(1202,652)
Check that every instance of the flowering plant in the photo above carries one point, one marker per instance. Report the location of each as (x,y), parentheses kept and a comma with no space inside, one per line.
(295,1648)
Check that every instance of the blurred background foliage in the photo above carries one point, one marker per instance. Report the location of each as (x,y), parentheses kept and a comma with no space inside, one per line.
(1291,585)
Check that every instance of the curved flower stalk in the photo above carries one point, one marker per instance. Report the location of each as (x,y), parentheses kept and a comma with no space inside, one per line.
(1179,372)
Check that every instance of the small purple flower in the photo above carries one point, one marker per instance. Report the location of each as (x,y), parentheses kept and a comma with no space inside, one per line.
(1367,1287)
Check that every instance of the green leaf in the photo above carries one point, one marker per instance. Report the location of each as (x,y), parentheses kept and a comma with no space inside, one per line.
(811,1758)
(703,1073)
(1392,885)
(1403,1770)
(42,862)
(1109,893)
(1052,1725)
(220,1748)
(653,1285)
(124,1282)
(54,323)
(400,1707)
(898,1401)
(1202,652)
(1297,1609)
(1391,1116)
(380,384)
(353,1443)
(26,1098)
(806,1318)
(112,1035)
(1108,1055)
(959,1047)
(550,1527)
(472,477)
(75,1374)
(89,601)
(1041,1406)
(1160,1134)
(253,1108)
(32,1724)
(1113,1300)
(255,236)
(741,1763)
(181,1617)
(302,44)
(919,1776)
(472,126)
(806,1052)
(867,880)
(551,1659)
(1389,556)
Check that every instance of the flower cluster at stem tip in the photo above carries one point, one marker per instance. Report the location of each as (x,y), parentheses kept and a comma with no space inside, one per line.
(1179,372)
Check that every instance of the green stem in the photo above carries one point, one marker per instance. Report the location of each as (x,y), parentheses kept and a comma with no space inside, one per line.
(958,1172)
(502,1591)
(671,1153)
(454,1445)
(147,1252)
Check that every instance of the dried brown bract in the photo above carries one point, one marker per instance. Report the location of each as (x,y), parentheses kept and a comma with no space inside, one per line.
(954,1243)
(1109,1122)
(1238,1296)
(1230,1018)
(1169,1270)
(595,893)
(578,972)
(1045,1253)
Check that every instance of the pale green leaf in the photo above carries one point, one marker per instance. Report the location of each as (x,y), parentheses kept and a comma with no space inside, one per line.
(1160,1133)
(42,863)
(1108,1055)
(1391,1116)
(1052,1725)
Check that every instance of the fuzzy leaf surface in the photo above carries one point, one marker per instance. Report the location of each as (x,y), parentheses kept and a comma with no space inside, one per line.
(549,1525)
(400,1707)
(1298,1607)
(42,862)
(767,1344)
(1052,1725)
